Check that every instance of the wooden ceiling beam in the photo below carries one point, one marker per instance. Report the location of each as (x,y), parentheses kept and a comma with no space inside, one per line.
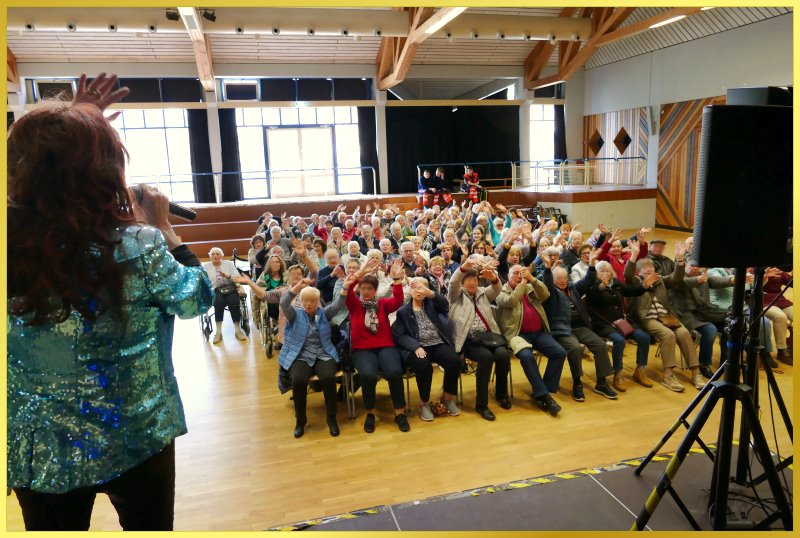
(573,57)
(12,75)
(200,45)
(541,52)
(396,54)
(641,26)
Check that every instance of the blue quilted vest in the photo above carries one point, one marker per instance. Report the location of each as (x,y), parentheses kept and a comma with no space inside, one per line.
(295,336)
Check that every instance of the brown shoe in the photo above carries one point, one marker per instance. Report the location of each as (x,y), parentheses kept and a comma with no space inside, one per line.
(619,383)
(640,377)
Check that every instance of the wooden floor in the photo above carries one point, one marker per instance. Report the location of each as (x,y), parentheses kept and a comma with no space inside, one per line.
(239,468)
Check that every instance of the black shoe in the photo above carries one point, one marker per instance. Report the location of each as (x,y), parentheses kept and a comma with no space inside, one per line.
(605,390)
(485,413)
(784,355)
(577,392)
(333,427)
(402,422)
(369,423)
(505,403)
(547,403)
(766,358)
(706,371)
(299,429)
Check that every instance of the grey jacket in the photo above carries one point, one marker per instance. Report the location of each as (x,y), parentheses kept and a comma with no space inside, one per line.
(692,300)
(462,311)
(640,306)
(509,306)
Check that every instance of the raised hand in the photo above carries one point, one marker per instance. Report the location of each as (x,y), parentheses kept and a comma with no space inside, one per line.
(100,92)
(680,251)
(650,280)
(633,244)
(526,274)
(489,274)
(602,228)
(702,278)
(396,271)
(242,279)
(338,272)
(593,256)
(468,263)
(616,235)
(546,261)
(575,228)
(348,281)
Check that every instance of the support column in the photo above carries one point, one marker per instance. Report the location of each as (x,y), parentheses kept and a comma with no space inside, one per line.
(524,173)
(214,142)
(380,139)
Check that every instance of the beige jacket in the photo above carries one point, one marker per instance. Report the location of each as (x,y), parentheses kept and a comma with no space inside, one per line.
(462,311)
(509,310)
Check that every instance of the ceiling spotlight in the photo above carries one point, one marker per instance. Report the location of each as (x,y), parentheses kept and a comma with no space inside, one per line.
(576,37)
(71,27)
(552,39)
(210,15)
(112,27)
(455,108)
(172,14)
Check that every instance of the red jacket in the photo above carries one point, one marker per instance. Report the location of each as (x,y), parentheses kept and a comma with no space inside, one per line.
(773,286)
(619,268)
(348,235)
(360,337)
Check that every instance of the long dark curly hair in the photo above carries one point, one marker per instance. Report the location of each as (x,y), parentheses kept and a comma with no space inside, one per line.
(66,195)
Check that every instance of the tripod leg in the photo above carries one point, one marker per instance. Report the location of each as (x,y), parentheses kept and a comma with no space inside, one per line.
(760,448)
(787,420)
(722,463)
(674,464)
(681,420)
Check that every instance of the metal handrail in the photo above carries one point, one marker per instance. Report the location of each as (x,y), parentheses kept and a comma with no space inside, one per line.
(168,178)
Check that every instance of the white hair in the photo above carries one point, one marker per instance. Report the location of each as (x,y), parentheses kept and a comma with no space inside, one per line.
(351,243)
(309,293)
(549,251)
(374,253)
(575,235)
(558,270)
(498,220)
(384,241)
(404,243)
(275,228)
(330,253)
(603,265)
(216,250)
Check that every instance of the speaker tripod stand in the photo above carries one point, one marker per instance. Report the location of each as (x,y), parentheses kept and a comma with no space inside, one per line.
(728,392)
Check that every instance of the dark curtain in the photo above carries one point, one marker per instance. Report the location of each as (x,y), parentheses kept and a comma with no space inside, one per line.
(231,168)
(201,156)
(432,135)
(559,133)
(367,138)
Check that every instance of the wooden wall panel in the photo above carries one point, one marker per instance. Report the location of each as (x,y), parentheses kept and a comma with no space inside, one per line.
(636,124)
(679,143)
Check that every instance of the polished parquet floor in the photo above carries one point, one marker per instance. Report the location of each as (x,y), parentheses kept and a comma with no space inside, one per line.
(239,468)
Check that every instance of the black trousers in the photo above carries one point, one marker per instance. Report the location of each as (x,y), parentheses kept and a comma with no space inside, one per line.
(231,300)
(445,356)
(300,373)
(144,498)
(390,363)
(485,357)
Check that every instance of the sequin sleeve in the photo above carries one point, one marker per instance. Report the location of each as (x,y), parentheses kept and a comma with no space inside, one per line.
(178,290)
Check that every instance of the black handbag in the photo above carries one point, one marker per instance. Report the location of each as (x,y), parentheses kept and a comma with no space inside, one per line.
(489,340)
(227,289)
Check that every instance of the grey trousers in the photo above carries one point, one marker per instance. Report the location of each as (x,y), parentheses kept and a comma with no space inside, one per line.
(597,346)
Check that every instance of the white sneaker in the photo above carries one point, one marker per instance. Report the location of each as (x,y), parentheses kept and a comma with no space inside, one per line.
(699,381)
(672,383)
(239,334)
(425,412)
(217,337)
(452,408)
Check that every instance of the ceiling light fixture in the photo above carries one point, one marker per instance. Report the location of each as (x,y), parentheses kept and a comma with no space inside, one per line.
(172,14)
(668,21)
(438,25)
(705,8)
(210,15)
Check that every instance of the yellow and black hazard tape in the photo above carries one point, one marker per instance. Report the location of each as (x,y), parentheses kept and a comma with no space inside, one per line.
(516,484)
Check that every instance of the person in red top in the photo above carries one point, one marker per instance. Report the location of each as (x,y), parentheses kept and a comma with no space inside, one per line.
(471,184)
(611,251)
(372,342)
(781,313)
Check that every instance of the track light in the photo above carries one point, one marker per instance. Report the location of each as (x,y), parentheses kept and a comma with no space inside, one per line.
(576,37)
(552,39)
(172,14)
(210,15)
(311,31)
(152,28)
(345,32)
(378,32)
(30,27)
(276,30)
(475,34)
(71,27)
(112,27)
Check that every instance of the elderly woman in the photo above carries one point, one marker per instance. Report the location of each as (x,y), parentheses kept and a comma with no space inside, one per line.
(471,313)
(276,239)
(372,343)
(438,276)
(606,302)
(580,269)
(367,240)
(93,403)
(570,255)
(257,245)
(335,240)
(611,251)
(655,315)
(354,253)
(308,349)
(220,272)
(423,331)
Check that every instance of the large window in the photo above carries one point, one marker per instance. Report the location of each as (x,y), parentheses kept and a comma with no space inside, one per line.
(542,149)
(158,144)
(305,151)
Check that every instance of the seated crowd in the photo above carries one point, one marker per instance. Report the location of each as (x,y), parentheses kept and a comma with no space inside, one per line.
(439,286)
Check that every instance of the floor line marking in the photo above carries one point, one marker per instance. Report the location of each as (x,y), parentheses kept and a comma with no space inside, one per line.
(616,499)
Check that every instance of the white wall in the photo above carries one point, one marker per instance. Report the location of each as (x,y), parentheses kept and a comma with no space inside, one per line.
(574,115)
(615,214)
(758,54)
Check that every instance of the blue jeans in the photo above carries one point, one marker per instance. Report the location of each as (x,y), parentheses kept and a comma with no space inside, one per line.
(545,344)
(642,340)
(708,335)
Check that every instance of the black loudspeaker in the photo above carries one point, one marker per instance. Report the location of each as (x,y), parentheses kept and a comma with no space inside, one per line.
(743,203)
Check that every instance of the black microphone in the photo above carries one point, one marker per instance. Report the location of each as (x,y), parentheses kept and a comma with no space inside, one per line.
(174,209)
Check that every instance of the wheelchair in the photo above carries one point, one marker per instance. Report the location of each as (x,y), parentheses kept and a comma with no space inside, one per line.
(207,327)
(264,325)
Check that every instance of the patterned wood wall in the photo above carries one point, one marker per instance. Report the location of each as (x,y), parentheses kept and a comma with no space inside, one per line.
(608,126)
(679,142)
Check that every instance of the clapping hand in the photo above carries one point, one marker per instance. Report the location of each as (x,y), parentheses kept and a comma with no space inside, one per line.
(680,251)
(633,244)
(650,280)
(526,274)
(338,272)
(702,278)
(489,274)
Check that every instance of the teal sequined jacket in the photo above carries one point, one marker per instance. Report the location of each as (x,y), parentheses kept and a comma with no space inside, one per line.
(89,401)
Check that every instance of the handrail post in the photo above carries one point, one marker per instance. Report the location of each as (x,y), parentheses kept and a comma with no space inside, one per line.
(513,176)
(374,182)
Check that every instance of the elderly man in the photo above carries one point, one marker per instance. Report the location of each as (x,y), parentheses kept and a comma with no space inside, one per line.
(396,235)
(663,264)
(328,275)
(524,323)
(409,258)
(571,325)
